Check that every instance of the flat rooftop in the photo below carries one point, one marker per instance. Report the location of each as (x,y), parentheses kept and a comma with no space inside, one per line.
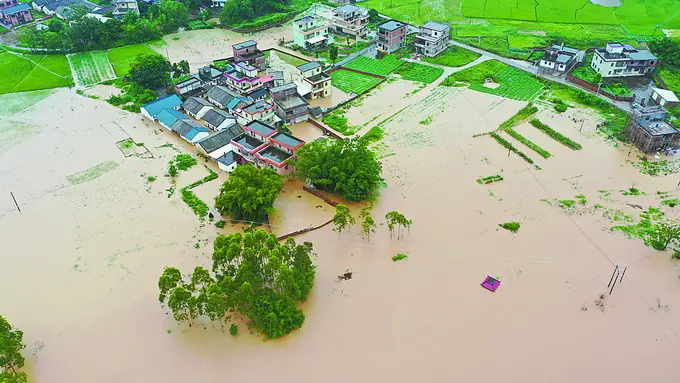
(287,140)
(248,142)
(274,154)
(658,128)
(391,25)
(291,102)
(260,128)
(245,44)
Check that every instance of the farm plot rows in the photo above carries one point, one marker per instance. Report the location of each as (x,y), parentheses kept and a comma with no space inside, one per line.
(351,82)
(420,72)
(92,67)
(382,67)
(122,57)
(514,84)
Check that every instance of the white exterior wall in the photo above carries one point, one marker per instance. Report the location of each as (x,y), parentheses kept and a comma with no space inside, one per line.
(222,151)
(146,114)
(547,64)
(227,168)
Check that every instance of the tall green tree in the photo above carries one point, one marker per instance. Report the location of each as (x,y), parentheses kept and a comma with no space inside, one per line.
(367,223)
(180,68)
(252,275)
(664,233)
(396,220)
(150,70)
(170,279)
(170,15)
(333,53)
(11,344)
(346,167)
(343,219)
(249,193)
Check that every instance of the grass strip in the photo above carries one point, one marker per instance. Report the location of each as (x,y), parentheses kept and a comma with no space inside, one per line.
(489,179)
(509,146)
(542,152)
(523,114)
(199,207)
(557,136)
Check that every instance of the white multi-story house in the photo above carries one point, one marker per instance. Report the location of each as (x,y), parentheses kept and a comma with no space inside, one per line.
(433,39)
(560,58)
(350,20)
(311,32)
(318,83)
(622,60)
(123,7)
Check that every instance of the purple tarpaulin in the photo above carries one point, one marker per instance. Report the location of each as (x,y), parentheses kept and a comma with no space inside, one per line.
(490,283)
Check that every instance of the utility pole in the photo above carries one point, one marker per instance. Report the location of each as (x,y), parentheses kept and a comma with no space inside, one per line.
(15,201)
(582,121)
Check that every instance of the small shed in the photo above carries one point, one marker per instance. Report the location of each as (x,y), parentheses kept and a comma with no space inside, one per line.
(664,97)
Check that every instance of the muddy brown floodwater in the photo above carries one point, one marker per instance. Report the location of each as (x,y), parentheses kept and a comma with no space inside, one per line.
(79,265)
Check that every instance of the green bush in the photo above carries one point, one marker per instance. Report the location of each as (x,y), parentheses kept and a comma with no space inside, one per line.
(510,226)
(199,207)
(399,257)
(185,161)
(233,330)
(490,179)
(220,224)
(561,108)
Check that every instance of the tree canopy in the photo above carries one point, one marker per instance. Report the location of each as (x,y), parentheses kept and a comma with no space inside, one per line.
(668,51)
(346,167)
(239,11)
(150,70)
(169,15)
(249,193)
(252,275)
(11,360)
(343,219)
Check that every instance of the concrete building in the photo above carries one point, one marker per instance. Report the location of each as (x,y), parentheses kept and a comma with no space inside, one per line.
(290,107)
(189,130)
(247,52)
(649,130)
(311,33)
(218,3)
(558,58)
(244,79)
(218,144)
(350,20)
(225,98)
(123,7)
(391,36)
(196,107)
(192,85)
(433,39)
(12,13)
(228,161)
(259,110)
(247,146)
(218,119)
(664,97)
(622,60)
(319,83)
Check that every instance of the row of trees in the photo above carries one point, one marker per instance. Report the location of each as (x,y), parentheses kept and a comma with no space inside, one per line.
(11,360)
(239,11)
(253,275)
(668,51)
(343,220)
(82,33)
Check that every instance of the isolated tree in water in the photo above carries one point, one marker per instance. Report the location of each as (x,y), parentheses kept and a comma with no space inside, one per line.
(11,360)
(252,275)
(396,220)
(343,218)
(367,223)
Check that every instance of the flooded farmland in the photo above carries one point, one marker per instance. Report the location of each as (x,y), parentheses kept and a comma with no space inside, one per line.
(80,263)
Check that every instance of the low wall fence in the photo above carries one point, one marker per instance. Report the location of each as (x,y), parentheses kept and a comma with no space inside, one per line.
(354,55)
(318,194)
(326,129)
(594,89)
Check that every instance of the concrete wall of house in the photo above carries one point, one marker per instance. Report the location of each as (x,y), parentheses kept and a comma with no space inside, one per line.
(199,136)
(221,151)
(146,114)
(227,168)
(621,68)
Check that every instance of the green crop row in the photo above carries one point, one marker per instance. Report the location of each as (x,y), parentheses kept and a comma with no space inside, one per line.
(510,147)
(542,152)
(559,137)
(489,179)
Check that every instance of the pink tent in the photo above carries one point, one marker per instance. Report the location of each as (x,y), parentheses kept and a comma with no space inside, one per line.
(490,283)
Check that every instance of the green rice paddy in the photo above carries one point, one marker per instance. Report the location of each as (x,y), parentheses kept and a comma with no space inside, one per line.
(351,82)
(382,67)
(24,72)
(453,56)
(122,57)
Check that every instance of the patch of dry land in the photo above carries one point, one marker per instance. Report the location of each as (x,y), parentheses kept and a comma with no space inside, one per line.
(80,263)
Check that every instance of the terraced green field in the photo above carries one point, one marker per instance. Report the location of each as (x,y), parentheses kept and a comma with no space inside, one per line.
(122,57)
(91,67)
(382,67)
(351,82)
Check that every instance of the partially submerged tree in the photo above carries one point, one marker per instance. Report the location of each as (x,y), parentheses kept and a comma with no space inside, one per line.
(150,70)
(252,275)
(346,167)
(367,223)
(249,193)
(396,220)
(343,219)
(11,360)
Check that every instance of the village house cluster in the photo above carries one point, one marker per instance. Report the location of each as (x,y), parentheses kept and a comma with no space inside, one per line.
(14,13)
(233,111)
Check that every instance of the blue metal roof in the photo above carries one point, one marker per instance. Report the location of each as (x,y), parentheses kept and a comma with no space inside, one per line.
(194,132)
(15,9)
(168,102)
(168,116)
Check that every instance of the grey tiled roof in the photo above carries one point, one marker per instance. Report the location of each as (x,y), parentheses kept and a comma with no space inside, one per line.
(195,104)
(221,138)
(215,117)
